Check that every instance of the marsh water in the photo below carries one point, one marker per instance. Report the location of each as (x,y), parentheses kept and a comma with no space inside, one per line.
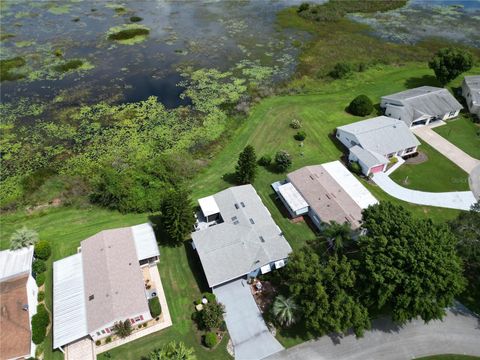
(200,34)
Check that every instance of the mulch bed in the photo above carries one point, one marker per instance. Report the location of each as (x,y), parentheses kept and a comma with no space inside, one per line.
(420,158)
(265,296)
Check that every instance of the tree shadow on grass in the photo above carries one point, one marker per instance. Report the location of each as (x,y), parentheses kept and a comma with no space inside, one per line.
(378,110)
(162,237)
(196,267)
(429,80)
(230,178)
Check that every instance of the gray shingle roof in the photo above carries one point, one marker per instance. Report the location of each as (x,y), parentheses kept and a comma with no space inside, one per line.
(369,158)
(473,83)
(247,239)
(382,134)
(424,100)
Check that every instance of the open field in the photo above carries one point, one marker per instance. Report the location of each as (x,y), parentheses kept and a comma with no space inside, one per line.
(463,133)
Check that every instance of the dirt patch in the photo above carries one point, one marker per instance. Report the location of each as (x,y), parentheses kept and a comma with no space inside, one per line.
(263,293)
(421,157)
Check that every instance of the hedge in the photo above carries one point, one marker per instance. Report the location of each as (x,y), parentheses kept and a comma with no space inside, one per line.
(40,296)
(39,266)
(154,306)
(210,339)
(43,250)
(40,322)
(40,279)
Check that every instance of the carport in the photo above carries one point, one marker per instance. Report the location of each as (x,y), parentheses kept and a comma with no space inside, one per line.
(250,336)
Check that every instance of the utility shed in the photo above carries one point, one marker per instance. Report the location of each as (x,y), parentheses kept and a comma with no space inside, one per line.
(295,203)
(145,242)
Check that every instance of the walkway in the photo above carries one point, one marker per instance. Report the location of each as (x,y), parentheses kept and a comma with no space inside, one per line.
(250,336)
(445,147)
(458,333)
(82,349)
(461,200)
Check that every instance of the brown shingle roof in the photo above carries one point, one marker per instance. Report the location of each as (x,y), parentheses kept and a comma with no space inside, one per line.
(112,275)
(325,196)
(15,336)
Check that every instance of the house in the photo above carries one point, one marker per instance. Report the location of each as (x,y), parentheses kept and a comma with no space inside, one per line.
(421,106)
(373,142)
(236,236)
(471,93)
(331,192)
(18,303)
(103,284)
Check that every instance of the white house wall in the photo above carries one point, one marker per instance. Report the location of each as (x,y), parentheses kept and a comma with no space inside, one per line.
(346,138)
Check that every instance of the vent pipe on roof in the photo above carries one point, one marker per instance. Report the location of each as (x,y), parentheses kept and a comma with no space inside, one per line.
(25,307)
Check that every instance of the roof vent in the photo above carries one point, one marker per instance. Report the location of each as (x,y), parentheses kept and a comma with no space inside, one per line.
(236,222)
(251,221)
(236,206)
(25,307)
(234,218)
(261,238)
(91,297)
(243,204)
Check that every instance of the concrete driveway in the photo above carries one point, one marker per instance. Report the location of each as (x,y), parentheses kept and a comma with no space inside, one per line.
(461,200)
(458,333)
(445,147)
(250,336)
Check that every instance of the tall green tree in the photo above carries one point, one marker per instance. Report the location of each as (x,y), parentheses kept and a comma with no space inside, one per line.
(283,160)
(246,168)
(173,351)
(448,63)
(22,238)
(325,293)
(285,310)
(409,266)
(339,236)
(177,214)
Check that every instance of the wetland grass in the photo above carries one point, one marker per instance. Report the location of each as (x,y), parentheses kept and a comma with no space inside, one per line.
(128,34)
(69,65)
(8,67)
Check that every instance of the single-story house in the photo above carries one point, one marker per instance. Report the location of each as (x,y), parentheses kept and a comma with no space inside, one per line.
(331,192)
(373,142)
(471,93)
(18,303)
(237,237)
(421,105)
(103,284)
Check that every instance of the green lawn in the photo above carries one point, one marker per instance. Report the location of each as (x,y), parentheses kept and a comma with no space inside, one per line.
(464,133)
(437,174)
(449,357)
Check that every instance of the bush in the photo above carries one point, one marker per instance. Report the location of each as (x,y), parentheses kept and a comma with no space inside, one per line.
(341,70)
(303,7)
(210,339)
(393,160)
(360,106)
(38,266)
(43,250)
(211,298)
(40,279)
(154,306)
(98,343)
(108,339)
(41,296)
(211,316)
(295,124)
(355,167)
(122,328)
(283,160)
(265,160)
(300,136)
(40,322)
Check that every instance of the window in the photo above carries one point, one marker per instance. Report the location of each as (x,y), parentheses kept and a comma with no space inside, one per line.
(338,135)
(98,333)
(141,317)
(452,113)
(103,331)
(251,221)
(409,150)
(107,330)
(132,321)
(138,318)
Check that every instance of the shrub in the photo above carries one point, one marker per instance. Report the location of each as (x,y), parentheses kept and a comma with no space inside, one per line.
(303,7)
(393,160)
(300,136)
(355,167)
(122,328)
(98,343)
(40,279)
(341,70)
(41,296)
(108,339)
(295,124)
(211,316)
(154,306)
(360,106)
(43,250)
(283,160)
(38,266)
(265,160)
(211,298)
(22,238)
(210,339)
(40,322)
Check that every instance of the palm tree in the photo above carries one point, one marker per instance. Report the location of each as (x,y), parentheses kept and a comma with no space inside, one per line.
(22,238)
(173,351)
(338,235)
(285,310)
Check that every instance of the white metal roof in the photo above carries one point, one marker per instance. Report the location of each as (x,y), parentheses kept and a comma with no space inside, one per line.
(69,310)
(208,205)
(15,262)
(292,197)
(351,185)
(145,241)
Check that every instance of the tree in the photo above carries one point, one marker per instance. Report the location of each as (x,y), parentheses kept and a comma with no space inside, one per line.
(283,160)
(211,316)
(360,106)
(448,63)
(177,214)
(285,310)
(325,293)
(408,265)
(23,237)
(173,351)
(339,236)
(122,328)
(247,165)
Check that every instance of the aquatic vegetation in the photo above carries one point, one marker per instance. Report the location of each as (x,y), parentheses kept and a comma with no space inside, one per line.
(135,18)
(25,43)
(59,9)
(128,34)
(8,68)
(5,36)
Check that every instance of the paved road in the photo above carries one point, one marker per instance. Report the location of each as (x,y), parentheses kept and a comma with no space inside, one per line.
(458,333)
(461,200)
(459,157)
(250,336)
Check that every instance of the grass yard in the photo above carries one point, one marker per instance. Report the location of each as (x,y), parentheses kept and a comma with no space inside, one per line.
(437,174)
(464,133)
(65,228)
(449,357)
